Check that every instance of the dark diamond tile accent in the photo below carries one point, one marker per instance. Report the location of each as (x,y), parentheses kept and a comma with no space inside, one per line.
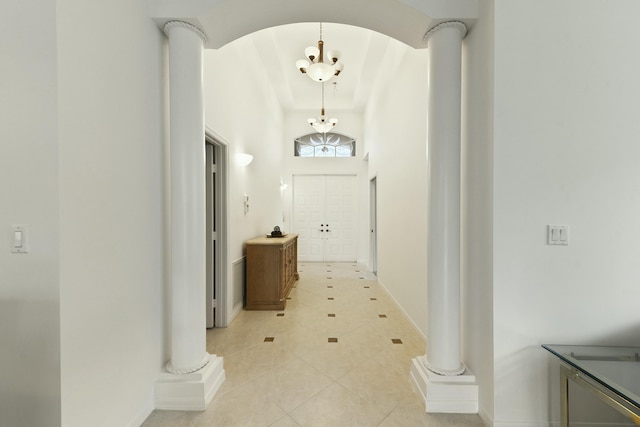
(382,316)
(357,271)
(280,314)
(328,271)
(361,278)
(396,340)
(288,297)
(269,339)
(331,315)
(329,286)
(330,298)
(333,339)
(329,277)
(367,287)
(373,299)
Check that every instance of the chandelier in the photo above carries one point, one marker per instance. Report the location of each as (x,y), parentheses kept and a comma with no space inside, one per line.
(322,124)
(315,67)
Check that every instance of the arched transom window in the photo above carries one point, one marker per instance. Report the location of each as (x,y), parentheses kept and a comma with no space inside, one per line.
(328,144)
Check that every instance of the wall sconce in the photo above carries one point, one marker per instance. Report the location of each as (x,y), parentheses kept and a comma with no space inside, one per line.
(244,159)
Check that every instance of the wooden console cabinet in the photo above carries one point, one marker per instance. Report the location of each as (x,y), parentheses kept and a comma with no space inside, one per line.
(272,269)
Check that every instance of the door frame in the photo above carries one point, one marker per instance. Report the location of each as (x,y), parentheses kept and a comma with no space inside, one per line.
(221,267)
(373,225)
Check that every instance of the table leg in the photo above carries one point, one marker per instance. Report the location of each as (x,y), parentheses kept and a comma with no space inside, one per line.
(564,396)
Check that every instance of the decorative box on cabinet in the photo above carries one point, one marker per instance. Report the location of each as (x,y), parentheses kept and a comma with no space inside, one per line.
(272,269)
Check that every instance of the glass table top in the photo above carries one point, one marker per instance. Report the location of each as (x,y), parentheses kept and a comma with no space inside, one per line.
(616,368)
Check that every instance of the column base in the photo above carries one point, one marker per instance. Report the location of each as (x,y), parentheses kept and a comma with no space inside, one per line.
(189,392)
(445,394)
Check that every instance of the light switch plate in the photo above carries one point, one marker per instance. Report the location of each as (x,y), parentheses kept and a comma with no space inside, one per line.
(18,239)
(558,235)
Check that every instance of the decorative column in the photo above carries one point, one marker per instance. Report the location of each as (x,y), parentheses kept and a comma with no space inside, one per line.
(439,374)
(192,375)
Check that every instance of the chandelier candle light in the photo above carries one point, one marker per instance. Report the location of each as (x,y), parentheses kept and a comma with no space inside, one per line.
(315,67)
(322,124)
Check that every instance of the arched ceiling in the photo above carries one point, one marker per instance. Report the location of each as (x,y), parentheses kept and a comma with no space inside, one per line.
(363,30)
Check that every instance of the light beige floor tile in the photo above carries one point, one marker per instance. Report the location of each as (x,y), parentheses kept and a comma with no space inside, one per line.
(256,361)
(299,340)
(410,413)
(293,384)
(337,407)
(285,421)
(168,419)
(333,359)
(379,383)
(243,407)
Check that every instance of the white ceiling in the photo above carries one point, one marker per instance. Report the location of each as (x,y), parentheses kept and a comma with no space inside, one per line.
(365,56)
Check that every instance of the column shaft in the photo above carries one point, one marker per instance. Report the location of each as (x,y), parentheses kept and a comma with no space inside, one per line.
(443,229)
(188,318)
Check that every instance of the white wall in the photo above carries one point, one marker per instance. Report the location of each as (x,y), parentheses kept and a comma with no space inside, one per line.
(29,283)
(241,108)
(396,138)
(565,152)
(477,203)
(112,241)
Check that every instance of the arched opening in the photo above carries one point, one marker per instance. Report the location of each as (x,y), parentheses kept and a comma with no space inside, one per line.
(277,116)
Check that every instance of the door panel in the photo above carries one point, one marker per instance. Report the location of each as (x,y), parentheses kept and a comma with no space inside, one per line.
(308,192)
(325,217)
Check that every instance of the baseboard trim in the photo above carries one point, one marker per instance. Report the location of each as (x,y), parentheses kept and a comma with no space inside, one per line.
(147,409)
(234,313)
(406,315)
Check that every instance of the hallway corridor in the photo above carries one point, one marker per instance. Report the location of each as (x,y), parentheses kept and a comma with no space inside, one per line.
(338,355)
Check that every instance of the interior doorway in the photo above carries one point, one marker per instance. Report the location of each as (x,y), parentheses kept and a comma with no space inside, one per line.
(373,225)
(216,232)
(325,217)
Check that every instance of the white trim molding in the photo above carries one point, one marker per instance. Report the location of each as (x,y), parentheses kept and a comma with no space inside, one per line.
(449,24)
(444,394)
(181,24)
(190,392)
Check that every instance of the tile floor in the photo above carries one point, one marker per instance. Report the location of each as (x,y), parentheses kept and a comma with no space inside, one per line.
(338,355)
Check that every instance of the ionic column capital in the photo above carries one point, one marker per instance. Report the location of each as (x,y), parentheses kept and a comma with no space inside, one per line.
(449,24)
(181,24)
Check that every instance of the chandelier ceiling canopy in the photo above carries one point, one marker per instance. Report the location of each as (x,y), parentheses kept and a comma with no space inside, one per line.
(314,65)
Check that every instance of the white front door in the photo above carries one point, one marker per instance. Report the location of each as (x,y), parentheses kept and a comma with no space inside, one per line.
(324,216)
